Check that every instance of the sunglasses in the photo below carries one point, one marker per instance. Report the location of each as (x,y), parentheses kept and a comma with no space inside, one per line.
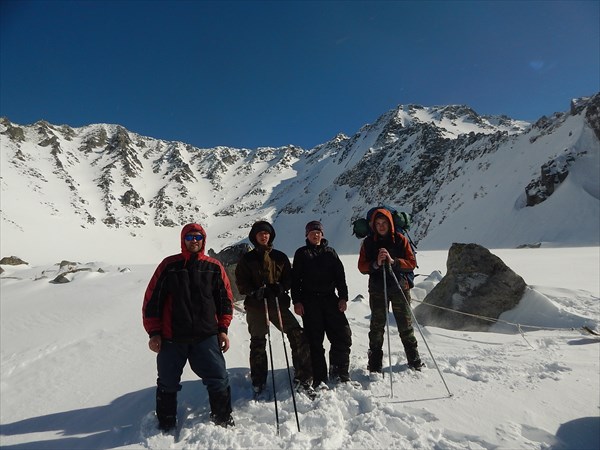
(193,237)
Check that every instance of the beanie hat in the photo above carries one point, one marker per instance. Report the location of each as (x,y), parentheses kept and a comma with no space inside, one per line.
(314,225)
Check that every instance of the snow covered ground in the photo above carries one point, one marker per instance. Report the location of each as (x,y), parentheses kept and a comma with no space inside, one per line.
(76,372)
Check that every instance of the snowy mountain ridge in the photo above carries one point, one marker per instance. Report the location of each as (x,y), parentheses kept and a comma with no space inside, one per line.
(442,164)
(108,203)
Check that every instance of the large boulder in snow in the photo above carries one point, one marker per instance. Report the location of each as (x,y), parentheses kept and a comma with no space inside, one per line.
(229,257)
(477,283)
(67,276)
(232,254)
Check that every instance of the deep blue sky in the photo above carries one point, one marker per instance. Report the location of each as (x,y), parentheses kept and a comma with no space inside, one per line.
(271,73)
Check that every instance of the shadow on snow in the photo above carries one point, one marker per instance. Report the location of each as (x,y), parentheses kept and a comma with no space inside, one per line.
(116,424)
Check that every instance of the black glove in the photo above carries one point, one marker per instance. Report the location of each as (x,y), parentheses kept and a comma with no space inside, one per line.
(259,294)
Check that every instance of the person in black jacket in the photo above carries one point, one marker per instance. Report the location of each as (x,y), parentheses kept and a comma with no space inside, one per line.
(316,275)
(187,309)
(266,273)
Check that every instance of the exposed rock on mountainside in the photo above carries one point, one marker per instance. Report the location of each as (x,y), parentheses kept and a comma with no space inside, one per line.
(555,171)
(592,113)
(14,132)
(433,162)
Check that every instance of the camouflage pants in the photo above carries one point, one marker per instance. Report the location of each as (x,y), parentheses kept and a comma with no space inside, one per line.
(257,326)
(402,314)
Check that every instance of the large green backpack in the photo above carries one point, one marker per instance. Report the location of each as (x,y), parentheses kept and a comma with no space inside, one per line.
(361,228)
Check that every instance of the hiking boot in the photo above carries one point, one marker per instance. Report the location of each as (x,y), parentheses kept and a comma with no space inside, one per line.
(220,407)
(259,392)
(338,374)
(344,378)
(166,409)
(319,382)
(414,360)
(223,421)
(416,365)
(338,378)
(375,361)
(305,387)
(166,424)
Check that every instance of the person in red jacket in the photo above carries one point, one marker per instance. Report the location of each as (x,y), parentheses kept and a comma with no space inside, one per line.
(187,309)
(386,247)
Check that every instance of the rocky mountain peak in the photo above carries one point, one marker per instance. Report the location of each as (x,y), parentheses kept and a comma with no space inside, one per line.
(433,162)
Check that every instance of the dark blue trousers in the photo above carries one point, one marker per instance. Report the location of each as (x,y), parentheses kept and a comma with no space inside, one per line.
(206,360)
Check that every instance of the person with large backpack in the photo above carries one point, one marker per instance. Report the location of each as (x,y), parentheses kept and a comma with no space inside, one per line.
(386,248)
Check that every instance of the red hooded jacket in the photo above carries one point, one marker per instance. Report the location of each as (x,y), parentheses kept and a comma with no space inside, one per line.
(189,296)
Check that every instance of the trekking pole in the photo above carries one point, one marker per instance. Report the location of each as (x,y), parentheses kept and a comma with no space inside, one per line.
(287,362)
(272,367)
(387,325)
(420,331)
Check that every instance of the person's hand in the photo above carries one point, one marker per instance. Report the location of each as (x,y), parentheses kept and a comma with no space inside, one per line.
(299,309)
(223,341)
(155,343)
(260,293)
(384,257)
(343,304)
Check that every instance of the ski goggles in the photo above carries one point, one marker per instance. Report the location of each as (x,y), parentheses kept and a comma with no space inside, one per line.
(193,237)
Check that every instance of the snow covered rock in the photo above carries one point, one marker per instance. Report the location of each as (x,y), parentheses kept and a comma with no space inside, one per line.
(12,261)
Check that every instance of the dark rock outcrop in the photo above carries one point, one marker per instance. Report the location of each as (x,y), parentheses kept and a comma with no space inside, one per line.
(12,261)
(229,257)
(476,283)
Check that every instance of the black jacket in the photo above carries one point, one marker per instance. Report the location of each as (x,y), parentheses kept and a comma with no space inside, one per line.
(317,272)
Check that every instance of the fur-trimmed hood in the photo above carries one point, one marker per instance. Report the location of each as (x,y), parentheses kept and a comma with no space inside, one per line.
(261,225)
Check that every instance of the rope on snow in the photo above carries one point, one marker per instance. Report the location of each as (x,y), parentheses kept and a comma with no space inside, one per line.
(519,326)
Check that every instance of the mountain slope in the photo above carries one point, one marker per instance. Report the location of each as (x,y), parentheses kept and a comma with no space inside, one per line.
(462,176)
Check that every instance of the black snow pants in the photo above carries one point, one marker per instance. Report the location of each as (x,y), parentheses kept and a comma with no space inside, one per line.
(323,317)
